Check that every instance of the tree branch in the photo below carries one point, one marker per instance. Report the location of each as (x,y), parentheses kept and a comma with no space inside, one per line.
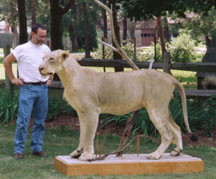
(119,49)
(68,6)
(108,45)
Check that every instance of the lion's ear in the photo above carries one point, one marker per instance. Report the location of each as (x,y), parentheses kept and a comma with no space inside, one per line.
(65,55)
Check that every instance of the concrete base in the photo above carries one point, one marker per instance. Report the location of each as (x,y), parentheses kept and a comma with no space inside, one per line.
(129,164)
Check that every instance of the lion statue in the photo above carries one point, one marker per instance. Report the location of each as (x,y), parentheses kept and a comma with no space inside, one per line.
(91,93)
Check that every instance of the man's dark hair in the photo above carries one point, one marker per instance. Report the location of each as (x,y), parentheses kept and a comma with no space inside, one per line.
(35,27)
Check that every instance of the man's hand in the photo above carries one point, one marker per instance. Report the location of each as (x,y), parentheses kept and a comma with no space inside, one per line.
(48,83)
(17,81)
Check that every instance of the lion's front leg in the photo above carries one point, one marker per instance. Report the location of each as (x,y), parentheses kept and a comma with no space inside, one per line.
(91,127)
(76,153)
(160,120)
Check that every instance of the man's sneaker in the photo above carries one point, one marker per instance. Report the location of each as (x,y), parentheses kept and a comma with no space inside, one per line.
(18,156)
(40,154)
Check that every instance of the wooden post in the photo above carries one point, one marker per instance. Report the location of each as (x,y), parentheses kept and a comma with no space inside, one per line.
(134,55)
(166,63)
(8,85)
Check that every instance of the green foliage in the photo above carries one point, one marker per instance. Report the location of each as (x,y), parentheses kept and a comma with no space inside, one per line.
(8,11)
(155,8)
(201,24)
(201,117)
(158,57)
(77,25)
(142,54)
(8,107)
(57,106)
(182,48)
(1,59)
(208,116)
(43,13)
(143,124)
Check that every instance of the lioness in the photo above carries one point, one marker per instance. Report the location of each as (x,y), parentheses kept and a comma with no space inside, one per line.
(91,93)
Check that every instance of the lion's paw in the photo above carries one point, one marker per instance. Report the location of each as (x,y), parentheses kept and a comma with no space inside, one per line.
(175,152)
(76,153)
(154,156)
(86,156)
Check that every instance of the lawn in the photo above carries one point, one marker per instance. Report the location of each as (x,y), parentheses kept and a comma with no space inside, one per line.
(63,141)
(2,71)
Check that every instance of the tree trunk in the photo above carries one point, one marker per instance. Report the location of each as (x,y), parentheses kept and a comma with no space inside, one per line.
(166,30)
(73,32)
(124,31)
(105,20)
(167,56)
(56,20)
(15,35)
(8,85)
(87,41)
(161,37)
(23,35)
(117,33)
(57,12)
(208,41)
(131,29)
(74,39)
(33,8)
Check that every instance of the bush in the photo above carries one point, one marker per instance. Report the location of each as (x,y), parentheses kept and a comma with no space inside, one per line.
(182,48)
(8,106)
(1,59)
(142,54)
(57,106)
(201,117)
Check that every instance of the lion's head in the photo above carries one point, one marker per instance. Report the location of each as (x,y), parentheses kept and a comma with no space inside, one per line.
(53,62)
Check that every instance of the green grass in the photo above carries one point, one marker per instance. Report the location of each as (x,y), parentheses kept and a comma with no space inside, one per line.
(63,141)
(1,59)
(187,78)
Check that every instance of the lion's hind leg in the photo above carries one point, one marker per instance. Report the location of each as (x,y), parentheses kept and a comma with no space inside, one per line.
(160,121)
(176,132)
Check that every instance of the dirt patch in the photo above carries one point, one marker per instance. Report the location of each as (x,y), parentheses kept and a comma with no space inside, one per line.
(73,124)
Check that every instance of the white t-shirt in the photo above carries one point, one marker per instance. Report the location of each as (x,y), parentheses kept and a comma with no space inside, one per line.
(29,56)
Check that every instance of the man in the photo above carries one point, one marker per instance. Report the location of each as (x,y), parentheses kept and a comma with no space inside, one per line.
(33,90)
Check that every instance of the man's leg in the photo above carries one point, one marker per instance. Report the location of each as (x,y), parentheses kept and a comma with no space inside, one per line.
(40,113)
(26,100)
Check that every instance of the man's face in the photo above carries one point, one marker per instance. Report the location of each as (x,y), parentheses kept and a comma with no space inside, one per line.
(39,37)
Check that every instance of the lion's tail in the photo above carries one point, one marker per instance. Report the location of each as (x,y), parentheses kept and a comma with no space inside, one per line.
(182,94)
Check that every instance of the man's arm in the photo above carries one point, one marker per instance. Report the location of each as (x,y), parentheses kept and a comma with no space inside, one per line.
(8,68)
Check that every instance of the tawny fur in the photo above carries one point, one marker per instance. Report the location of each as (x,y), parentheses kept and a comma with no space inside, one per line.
(91,93)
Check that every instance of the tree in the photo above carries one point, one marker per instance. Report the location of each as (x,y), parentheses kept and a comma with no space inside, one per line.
(80,24)
(57,11)
(200,24)
(33,8)
(150,9)
(115,7)
(23,35)
(156,8)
